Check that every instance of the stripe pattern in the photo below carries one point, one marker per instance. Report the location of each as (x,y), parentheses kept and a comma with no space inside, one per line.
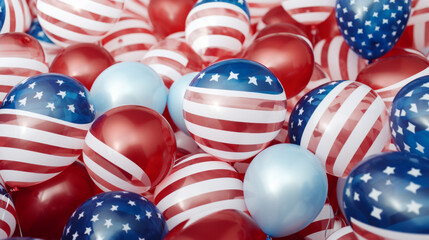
(138,8)
(8,217)
(258,8)
(336,58)
(14,16)
(345,233)
(215,29)
(171,59)
(69,22)
(198,184)
(418,26)
(309,12)
(341,123)
(129,40)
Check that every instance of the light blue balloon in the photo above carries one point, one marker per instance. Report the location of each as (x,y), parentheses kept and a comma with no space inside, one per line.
(285,188)
(128,83)
(175,100)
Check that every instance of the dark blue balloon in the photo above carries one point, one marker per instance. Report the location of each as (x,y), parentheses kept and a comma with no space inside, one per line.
(389,193)
(372,27)
(409,117)
(116,215)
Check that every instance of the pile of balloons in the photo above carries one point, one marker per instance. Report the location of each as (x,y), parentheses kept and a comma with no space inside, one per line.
(214,119)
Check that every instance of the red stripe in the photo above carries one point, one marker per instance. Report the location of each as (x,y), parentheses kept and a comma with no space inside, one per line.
(101,181)
(22,72)
(343,61)
(7,206)
(368,235)
(182,48)
(420,11)
(178,165)
(426,34)
(165,61)
(319,9)
(224,12)
(38,147)
(12,17)
(228,147)
(125,32)
(130,48)
(29,167)
(5,89)
(216,30)
(5,227)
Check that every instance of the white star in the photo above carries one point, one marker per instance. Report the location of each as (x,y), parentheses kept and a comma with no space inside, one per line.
(95,197)
(241,1)
(51,106)
(414,172)
(268,79)
(411,127)
(370,36)
(301,111)
(388,182)
(233,76)
(375,14)
(114,208)
(420,148)
(367,23)
(23,101)
(68,230)
(413,108)
(350,24)
(148,214)
(385,6)
(345,10)
(71,108)
(60,82)
(350,179)
(406,147)
(88,231)
(117,196)
(299,122)
(310,100)
(12,98)
(321,91)
(132,203)
(376,212)
(38,95)
(91,108)
(108,223)
(81,93)
(356,197)
(159,215)
(389,170)
(62,94)
(81,215)
(138,217)
(75,235)
(412,187)
(32,85)
(201,75)
(348,193)
(99,204)
(375,194)
(425,97)
(253,81)
(215,77)
(385,21)
(366,177)
(400,130)
(414,207)
(94,218)
(126,227)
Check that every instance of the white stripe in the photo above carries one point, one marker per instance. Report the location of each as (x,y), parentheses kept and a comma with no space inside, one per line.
(237,204)
(352,65)
(19,17)
(31,157)
(319,111)
(14,62)
(165,70)
(240,94)
(359,133)
(380,142)
(340,118)
(6,24)
(325,213)
(128,24)
(133,56)
(94,7)
(167,54)
(10,80)
(194,156)
(340,233)
(2,96)
(10,219)
(294,4)
(419,19)
(3,234)
(318,51)
(311,17)
(217,21)
(216,41)
(334,58)
(211,5)
(199,189)
(117,159)
(110,178)
(129,39)
(404,82)
(7,200)
(229,156)
(25,177)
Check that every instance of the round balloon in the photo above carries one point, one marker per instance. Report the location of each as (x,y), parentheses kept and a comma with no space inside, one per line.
(309,12)
(385,197)
(409,118)
(285,188)
(234,108)
(341,122)
(129,148)
(116,215)
(129,83)
(8,216)
(43,122)
(14,16)
(138,8)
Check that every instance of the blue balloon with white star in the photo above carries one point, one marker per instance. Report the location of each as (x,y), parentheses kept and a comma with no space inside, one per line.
(372,27)
(116,215)
(388,196)
(409,117)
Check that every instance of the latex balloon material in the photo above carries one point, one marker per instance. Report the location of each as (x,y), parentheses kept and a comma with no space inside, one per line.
(389,185)
(169,16)
(15,16)
(309,12)
(129,83)
(8,216)
(129,148)
(83,61)
(285,188)
(225,224)
(281,28)
(43,209)
(409,117)
(288,56)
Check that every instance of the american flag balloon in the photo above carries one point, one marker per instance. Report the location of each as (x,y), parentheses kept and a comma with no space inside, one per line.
(21,56)
(309,12)
(32,6)
(409,118)
(138,8)
(198,183)
(116,215)
(14,16)
(171,59)
(418,25)
(337,59)
(345,233)
(8,218)
(341,122)
(258,8)
(43,123)
(217,28)
(372,28)
(234,109)
(387,198)
(129,40)
(69,22)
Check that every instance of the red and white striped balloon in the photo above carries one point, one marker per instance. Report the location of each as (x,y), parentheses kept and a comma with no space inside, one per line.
(216,29)
(418,25)
(8,217)
(138,8)
(345,233)
(258,8)
(198,183)
(309,12)
(17,17)
(69,22)
(171,59)
(129,40)
(336,58)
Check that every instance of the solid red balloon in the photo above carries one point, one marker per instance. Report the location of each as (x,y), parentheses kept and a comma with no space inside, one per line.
(44,209)
(169,16)
(83,61)
(226,224)
(288,56)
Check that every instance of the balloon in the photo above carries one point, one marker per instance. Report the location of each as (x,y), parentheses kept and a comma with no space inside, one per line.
(72,22)
(372,28)
(83,61)
(171,59)
(130,39)
(288,56)
(410,117)
(198,184)
(217,28)
(345,233)
(169,16)
(129,148)
(225,224)
(43,209)
(282,28)
(21,56)
(341,122)
(396,51)
(258,9)
(128,83)
(385,197)
(285,188)
(15,16)
(234,108)
(185,145)
(139,9)
(309,12)
(175,99)
(43,121)
(279,15)
(116,215)
(7,214)
(417,26)
(387,76)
